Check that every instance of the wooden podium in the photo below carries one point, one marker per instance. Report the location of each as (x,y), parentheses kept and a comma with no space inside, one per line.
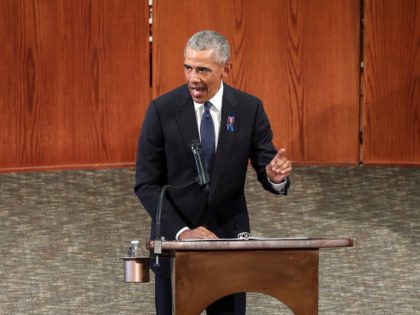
(286,269)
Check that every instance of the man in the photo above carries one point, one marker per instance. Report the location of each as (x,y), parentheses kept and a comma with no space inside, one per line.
(233,129)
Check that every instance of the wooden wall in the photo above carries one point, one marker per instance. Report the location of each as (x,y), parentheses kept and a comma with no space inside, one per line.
(391,116)
(74,75)
(300,57)
(74,82)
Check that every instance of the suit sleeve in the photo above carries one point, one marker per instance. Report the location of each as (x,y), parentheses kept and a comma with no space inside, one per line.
(263,150)
(151,174)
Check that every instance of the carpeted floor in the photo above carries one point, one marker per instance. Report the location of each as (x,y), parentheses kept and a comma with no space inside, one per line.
(63,234)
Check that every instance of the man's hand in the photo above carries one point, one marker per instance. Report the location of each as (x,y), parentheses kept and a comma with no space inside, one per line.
(279,167)
(198,233)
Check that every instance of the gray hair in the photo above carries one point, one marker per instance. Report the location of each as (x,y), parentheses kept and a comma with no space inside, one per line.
(205,40)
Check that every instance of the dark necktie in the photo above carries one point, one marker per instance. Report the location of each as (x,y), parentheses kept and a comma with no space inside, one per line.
(207,137)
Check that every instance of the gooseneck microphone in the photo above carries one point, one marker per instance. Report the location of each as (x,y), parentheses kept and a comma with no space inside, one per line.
(202,179)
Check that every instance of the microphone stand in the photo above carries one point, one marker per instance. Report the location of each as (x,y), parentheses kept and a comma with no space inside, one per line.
(202,179)
(159,238)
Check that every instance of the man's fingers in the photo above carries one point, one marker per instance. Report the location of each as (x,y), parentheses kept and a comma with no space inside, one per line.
(286,171)
(278,157)
(205,232)
(280,153)
(283,168)
(197,233)
(277,165)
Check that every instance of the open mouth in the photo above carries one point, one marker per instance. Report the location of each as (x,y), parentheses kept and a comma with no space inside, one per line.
(197,91)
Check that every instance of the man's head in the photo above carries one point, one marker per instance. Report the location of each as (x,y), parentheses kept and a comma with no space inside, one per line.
(206,62)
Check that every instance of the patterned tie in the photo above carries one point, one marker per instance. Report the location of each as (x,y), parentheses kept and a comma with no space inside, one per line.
(207,137)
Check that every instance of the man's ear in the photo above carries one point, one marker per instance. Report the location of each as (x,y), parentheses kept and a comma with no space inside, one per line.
(226,69)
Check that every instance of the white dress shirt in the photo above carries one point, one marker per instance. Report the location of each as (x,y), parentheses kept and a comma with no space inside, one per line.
(215,112)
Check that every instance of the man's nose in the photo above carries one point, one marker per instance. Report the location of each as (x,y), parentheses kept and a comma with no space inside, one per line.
(194,77)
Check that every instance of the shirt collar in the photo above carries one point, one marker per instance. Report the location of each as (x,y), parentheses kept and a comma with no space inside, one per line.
(216,100)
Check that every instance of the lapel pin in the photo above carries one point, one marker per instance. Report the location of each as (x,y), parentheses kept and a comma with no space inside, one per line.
(230,123)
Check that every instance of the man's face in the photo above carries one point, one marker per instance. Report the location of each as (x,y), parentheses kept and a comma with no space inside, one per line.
(203,74)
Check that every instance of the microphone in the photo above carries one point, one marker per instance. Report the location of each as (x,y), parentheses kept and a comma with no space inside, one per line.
(202,175)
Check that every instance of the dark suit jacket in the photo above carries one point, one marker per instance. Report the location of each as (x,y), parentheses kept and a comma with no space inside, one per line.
(164,157)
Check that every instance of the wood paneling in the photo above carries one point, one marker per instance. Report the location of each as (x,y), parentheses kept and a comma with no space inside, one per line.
(74,81)
(300,57)
(391,118)
(74,75)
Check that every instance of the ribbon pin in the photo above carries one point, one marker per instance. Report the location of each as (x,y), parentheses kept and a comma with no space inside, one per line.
(230,123)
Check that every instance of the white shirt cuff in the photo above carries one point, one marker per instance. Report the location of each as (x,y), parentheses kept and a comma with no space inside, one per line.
(180,231)
(279,187)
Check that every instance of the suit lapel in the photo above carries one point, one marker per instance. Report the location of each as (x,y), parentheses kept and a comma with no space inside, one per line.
(186,120)
(188,129)
(226,136)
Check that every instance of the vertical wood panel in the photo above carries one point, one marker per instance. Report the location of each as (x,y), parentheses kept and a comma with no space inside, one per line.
(300,57)
(74,81)
(391,121)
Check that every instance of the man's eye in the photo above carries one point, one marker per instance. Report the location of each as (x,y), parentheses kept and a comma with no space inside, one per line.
(187,68)
(204,70)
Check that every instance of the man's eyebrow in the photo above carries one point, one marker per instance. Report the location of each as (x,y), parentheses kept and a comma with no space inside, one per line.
(197,68)
(203,68)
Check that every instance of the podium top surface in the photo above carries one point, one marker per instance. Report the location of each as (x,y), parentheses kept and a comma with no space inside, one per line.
(252,244)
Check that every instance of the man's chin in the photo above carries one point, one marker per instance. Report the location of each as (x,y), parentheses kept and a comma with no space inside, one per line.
(199,100)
